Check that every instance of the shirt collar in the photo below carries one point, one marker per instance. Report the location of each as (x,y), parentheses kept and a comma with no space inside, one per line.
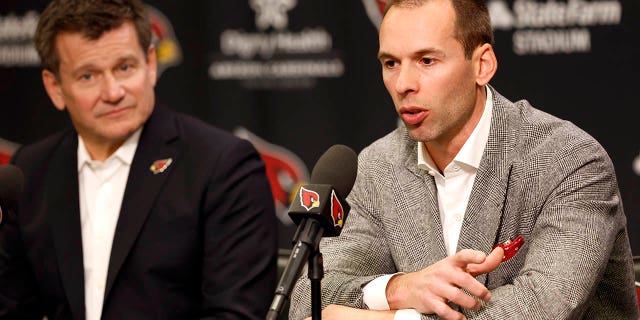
(125,153)
(472,150)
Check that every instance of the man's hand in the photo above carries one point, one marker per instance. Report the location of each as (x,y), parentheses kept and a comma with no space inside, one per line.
(333,311)
(428,290)
(490,263)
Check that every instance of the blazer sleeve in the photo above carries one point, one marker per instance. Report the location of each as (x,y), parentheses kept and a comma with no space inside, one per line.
(578,252)
(19,298)
(240,245)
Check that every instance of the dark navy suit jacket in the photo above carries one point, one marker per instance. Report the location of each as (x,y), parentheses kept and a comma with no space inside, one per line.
(195,241)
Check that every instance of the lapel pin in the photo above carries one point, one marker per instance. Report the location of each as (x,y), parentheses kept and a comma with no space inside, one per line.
(159,166)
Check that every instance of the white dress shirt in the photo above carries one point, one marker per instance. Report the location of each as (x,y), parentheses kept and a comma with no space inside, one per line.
(454,187)
(101,187)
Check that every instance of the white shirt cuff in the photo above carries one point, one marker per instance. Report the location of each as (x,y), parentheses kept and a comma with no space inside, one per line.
(407,314)
(374,293)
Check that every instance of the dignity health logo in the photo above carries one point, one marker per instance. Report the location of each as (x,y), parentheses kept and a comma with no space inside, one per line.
(553,27)
(273,56)
(272,13)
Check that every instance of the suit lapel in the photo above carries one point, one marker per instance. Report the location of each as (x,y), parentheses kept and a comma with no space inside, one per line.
(484,211)
(61,197)
(424,242)
(483,217)
(157,141)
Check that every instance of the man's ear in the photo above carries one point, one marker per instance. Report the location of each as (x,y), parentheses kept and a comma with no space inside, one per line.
(52,85)
(486,63)
(152,64)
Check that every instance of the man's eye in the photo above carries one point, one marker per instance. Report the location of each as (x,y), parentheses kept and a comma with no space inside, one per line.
(389,63)
(124,67)
(86,76)
(427,61)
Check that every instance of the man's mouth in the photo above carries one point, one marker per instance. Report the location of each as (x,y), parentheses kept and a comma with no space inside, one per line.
(413,115)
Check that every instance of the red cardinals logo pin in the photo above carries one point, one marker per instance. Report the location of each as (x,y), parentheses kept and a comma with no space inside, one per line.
(160,166)
(309,199)
(337,212)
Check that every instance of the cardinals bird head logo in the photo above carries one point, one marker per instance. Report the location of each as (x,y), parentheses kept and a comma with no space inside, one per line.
(7,148)
(309,199)
(285,171)
(375,10)
(337,211)
(168,51)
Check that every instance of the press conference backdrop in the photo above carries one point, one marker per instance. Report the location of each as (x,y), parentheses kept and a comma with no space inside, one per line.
(297,76)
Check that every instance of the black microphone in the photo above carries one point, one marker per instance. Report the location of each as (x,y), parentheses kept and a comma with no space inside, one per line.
(323,199)
(319,209)
(11,183)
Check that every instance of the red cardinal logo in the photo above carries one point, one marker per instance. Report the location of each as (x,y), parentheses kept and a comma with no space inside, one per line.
(159,166)
(7,148)
(285,171)
(168,51)
(337,212)
(309,199)
(375,9)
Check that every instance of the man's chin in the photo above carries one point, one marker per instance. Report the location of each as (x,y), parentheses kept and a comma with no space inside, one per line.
(418,135)
(120,134)
(412,131)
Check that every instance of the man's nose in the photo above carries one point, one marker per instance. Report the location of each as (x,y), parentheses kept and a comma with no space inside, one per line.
(407,80)
(112,89)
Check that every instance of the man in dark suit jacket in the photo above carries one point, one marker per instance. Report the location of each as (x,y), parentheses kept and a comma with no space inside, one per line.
(137,212)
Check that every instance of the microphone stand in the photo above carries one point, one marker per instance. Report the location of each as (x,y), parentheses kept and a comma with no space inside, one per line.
(307,240)
(315,274)
(318,210)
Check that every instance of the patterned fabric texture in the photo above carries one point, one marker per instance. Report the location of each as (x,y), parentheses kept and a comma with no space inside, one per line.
(540,177)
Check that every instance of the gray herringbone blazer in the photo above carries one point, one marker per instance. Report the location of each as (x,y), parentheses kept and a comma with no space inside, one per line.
(540,177)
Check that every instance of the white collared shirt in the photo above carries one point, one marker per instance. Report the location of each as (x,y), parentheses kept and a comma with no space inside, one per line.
(455,183)
(454,188)
(101,187)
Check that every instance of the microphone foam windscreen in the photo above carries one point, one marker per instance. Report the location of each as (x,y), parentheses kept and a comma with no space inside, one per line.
(337,167)
(11,184)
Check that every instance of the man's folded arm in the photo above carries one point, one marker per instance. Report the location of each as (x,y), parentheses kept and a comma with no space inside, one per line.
(578,233)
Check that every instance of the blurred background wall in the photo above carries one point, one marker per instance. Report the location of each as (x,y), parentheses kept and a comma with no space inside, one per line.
(297,76)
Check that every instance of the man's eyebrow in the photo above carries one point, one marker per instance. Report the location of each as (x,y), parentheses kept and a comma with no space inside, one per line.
(383,55)
(419,53)
(432,51)
(83,69)
(92,66)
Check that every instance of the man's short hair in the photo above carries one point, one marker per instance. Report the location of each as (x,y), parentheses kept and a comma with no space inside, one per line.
(472,25)
(90,18)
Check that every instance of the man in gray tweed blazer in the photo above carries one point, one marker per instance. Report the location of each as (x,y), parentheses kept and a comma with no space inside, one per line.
(469,170)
